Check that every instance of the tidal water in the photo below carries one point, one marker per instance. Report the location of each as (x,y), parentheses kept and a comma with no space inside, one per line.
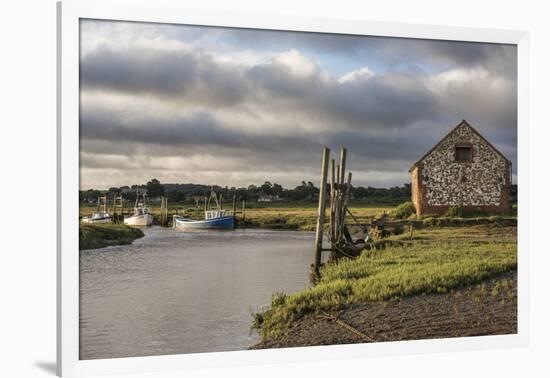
(174,292)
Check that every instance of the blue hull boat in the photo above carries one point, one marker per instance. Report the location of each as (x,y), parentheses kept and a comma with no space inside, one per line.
(221,222)
(217,219)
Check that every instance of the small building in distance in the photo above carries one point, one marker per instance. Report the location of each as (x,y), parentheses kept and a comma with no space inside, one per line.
(462,170)
(269,198)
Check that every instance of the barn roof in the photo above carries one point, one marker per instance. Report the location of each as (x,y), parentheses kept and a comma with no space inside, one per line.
(463,122)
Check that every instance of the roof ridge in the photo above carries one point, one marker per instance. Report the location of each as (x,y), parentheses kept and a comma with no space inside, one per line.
(463,122)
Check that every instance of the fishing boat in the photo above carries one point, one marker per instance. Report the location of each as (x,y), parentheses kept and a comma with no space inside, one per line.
(213,219)
(141,216)
(101,215)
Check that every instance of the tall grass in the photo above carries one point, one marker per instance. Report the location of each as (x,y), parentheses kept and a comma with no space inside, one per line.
(392,273)
(403,211)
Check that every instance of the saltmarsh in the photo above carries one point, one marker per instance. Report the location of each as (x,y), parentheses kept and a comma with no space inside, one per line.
(389,274)
(92,236)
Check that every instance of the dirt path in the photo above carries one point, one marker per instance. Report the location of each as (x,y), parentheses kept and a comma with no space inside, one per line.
(489,308)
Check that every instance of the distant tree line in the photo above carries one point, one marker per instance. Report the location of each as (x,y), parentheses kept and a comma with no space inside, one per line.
(306,191)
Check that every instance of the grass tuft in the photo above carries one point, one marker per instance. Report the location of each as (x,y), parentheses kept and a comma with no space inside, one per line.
(403,211)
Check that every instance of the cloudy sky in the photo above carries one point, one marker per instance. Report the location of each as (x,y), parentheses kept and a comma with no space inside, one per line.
(237,107)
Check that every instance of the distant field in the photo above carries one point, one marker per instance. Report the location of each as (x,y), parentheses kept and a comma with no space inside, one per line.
(275,215)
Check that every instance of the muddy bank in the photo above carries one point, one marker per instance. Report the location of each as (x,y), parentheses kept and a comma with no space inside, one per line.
(489,308)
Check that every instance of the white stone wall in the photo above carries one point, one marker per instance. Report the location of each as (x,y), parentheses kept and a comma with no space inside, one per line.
(484,177)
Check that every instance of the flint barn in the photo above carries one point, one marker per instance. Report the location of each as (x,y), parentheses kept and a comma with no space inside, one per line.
(462,170)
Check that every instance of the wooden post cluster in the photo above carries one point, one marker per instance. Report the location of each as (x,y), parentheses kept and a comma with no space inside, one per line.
(338,198)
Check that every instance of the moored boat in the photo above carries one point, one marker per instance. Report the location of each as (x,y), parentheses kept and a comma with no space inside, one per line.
(213,219)
(142,216)
(101,215)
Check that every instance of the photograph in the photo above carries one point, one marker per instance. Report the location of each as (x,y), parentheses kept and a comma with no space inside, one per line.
(245,189)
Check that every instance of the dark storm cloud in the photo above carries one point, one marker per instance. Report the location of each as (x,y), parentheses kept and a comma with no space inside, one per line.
(163,73)
(387,50)
(200,134)
(197,132)
(387,100)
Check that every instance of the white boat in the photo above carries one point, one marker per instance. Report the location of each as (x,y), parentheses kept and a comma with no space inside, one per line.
(141,216)
(101,215)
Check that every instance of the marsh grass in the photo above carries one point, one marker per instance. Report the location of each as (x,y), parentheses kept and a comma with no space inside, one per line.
(92,236)
(403,211)
(301,216)
(394,273)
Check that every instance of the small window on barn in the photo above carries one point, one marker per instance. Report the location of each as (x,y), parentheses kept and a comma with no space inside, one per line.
(463,153)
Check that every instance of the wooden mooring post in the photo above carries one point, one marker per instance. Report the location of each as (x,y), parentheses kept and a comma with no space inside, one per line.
(118,204)
(321,212)
(164,211)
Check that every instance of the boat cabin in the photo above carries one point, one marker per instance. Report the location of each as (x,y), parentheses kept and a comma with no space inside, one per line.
(213,214)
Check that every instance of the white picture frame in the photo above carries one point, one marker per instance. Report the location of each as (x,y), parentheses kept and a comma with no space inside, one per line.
(165,11)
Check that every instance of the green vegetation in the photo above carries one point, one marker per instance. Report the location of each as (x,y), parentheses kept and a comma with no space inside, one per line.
(454,211)
(92,236)
(403,211)
(469,221)
(417,268)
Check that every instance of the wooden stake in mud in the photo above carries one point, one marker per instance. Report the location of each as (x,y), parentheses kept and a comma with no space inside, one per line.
(332,194)
(343,155)
(243,214)
(118,204)
(164,211)
(161,211)
(321,211)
